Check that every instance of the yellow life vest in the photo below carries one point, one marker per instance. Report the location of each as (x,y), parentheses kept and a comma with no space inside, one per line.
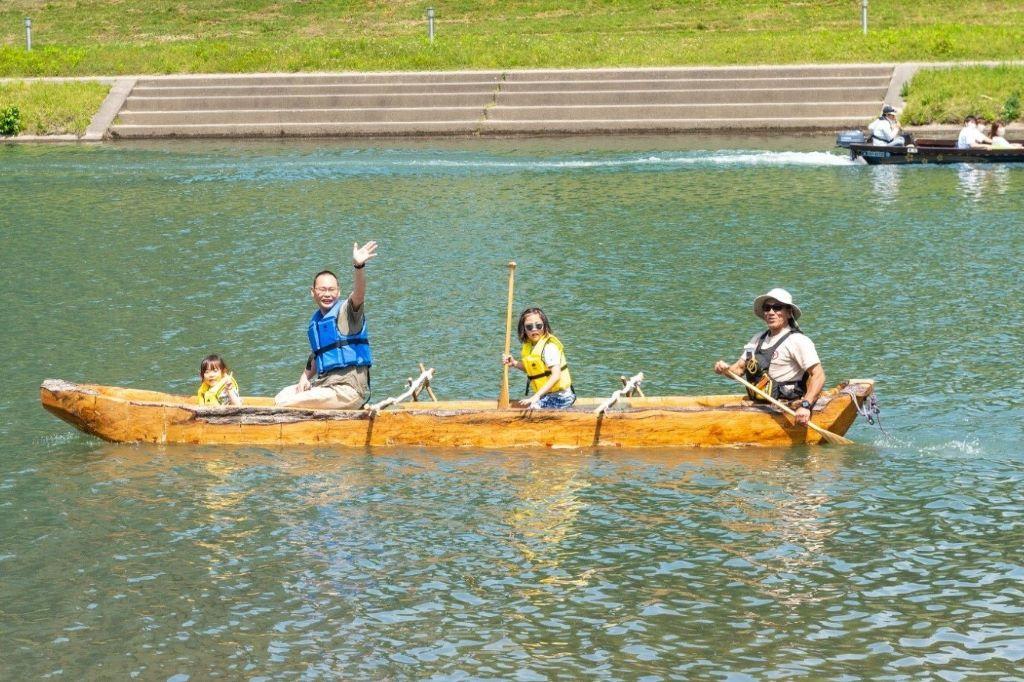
(210,395)
(537,372)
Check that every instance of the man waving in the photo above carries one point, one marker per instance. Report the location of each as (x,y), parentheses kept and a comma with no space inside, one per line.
(337,373)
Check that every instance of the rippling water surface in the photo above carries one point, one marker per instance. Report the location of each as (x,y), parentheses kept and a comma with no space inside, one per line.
(897,558)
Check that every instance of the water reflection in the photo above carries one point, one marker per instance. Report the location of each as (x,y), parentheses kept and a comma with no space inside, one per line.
(885,182)
(978,181)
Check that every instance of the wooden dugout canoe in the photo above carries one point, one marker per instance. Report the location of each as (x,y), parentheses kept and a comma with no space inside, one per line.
(131,415)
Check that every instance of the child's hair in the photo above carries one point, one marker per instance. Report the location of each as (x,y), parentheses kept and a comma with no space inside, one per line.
(521,329)
(213,362)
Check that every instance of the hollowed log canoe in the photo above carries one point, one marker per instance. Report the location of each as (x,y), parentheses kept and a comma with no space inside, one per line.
(140,416)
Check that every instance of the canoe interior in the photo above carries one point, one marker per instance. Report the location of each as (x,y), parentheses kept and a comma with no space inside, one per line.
(144,397)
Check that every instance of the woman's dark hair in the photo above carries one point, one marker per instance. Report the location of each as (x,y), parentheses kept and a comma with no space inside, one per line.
(213,362)
(521,329)
(994,130)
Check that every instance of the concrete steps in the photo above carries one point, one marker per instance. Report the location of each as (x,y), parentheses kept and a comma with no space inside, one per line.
(504,102)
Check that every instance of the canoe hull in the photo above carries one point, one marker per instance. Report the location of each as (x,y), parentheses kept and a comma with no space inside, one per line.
(126,415)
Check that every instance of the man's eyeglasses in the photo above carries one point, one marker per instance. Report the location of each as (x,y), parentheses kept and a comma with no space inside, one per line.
(533,327)
(326,290)
(777,307)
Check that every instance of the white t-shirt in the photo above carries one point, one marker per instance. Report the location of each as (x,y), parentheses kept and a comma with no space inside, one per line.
(550,355)
(884,129)
(794,357)
(969,136)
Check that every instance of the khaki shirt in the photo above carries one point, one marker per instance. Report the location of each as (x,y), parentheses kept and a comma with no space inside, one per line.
(795,356)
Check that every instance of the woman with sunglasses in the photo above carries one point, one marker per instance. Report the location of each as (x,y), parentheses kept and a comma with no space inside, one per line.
(543,361)
(781,361)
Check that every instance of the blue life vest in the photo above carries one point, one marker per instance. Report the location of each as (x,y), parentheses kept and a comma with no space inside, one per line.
(331,349)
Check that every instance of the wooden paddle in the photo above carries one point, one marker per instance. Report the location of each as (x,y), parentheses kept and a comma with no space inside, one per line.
(833,438)
(503,396)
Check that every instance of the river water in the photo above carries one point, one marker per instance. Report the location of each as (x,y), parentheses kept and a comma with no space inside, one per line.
(897,558)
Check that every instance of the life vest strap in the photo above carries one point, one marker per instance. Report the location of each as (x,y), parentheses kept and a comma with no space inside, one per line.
(341,343)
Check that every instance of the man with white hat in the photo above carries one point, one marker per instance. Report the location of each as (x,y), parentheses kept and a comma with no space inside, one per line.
(781,361)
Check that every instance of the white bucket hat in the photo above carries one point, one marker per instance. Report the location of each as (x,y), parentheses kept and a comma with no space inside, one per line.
(780,295)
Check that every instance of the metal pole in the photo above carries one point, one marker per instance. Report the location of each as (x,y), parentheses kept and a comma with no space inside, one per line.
(430,23)
(28,34)
(864,16)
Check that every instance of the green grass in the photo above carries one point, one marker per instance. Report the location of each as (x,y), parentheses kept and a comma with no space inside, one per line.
(54,108)
(108,37)
(116,37)
(948,95)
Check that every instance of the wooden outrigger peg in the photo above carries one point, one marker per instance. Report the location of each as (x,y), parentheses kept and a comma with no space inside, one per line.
(636,389)
(426,385)
(414,388)
(633,383)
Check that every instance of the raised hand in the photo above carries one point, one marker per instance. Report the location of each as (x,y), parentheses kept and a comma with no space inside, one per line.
(361,254)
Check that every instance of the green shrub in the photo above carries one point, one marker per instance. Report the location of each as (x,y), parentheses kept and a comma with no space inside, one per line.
(1011,108)
(10,121)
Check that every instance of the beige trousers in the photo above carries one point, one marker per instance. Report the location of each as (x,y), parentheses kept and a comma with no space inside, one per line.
(337,397)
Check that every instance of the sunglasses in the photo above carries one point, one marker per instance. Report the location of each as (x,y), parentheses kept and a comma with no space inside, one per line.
(777,307)
(533,327)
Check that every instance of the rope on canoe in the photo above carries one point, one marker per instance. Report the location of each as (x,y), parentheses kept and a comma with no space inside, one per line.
(634,382)
(868,408)
(414,388)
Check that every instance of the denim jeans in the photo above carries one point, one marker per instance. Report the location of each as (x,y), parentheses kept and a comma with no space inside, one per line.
(557,401)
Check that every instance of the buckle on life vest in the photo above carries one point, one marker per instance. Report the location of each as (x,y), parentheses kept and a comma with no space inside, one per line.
(766,384)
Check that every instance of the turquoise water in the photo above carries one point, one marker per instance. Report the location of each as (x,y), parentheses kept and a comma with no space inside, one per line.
(897,558)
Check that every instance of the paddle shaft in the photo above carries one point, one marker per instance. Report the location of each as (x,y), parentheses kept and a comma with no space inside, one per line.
(503,396)
(834,438)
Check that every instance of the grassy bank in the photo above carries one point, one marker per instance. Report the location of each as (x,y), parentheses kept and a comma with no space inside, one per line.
(54,108)
(93,37)
(948,95)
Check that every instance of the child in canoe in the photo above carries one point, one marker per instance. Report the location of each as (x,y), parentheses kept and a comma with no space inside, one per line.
(219,386)
(543,361)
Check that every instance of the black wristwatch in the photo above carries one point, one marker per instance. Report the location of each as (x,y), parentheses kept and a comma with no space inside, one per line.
(805,405)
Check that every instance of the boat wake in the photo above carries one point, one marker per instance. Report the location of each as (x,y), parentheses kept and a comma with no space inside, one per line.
(404,162)
(719,158)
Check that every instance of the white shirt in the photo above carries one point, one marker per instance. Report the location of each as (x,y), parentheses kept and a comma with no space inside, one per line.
(550,355)
(969,136)
(794,357)
(883,131)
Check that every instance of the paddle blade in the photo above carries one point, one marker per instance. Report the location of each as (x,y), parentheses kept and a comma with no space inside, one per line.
(829,437)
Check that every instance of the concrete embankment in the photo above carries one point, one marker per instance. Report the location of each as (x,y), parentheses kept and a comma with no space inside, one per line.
(662,100)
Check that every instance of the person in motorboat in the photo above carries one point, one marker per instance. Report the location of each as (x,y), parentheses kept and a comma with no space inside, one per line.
(998,136)
(218,385)
(337,373)
(885,130)
(971,135)
(542,359)
(781,361)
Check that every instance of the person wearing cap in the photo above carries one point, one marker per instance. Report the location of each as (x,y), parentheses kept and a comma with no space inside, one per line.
(781,361)
(885,130)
